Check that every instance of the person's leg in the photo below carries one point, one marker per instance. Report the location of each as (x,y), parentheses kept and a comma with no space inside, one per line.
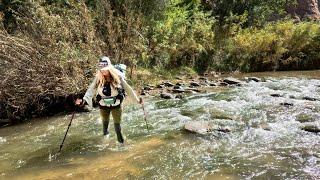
(105,116)
(117,115)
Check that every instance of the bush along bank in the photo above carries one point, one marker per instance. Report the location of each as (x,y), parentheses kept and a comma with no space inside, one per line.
(277,46)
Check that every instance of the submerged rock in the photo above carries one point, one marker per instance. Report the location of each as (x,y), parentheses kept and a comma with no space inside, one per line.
(166,96)
(310,98)
(304,118)
(199,127)
(286,104)
(204,127)
(218,114)
(276,95)
(292,97)
(265,127)
(311,128)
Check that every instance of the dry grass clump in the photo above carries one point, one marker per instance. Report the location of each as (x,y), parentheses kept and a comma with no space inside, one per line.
(27,77)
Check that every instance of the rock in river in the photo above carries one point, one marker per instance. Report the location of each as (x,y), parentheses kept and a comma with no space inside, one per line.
(276,95)
(311,128)
(168,84)
(166,96)
(160,86)
(194,84)
(253,79)
(179,90)
(310,98)
(199,127)
(232,81)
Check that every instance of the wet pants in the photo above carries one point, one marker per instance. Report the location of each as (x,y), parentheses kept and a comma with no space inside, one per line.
(116,114)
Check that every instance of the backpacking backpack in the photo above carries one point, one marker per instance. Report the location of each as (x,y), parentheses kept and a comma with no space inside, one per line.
(122,68)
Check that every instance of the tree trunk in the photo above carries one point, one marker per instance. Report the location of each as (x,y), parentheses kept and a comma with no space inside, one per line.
(305,9)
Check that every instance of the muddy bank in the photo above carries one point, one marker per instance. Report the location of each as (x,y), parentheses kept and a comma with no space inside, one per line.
(44,105)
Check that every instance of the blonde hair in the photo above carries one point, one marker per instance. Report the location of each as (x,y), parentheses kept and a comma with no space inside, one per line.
(115,80)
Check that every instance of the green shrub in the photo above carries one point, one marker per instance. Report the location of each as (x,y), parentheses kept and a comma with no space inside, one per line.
(277,46)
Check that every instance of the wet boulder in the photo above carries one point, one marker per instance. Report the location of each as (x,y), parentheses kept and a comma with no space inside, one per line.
(310,98)
(168,84)
(265,127)
(255,79)
(160,86)
(180,84)
(193,89)
(179,96)
(303,117)
(276,95)
(292,97)
(224,129)
(194,84)
(213,84)
(166,95)
(143,93)
(199,127)
(147,88)
(223,84)
(311,128)
(219,114)
(286,104)
(178,90)
(177,87)
(232,81)
(203,78)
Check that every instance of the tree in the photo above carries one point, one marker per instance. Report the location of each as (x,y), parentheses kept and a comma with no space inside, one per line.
(305,9)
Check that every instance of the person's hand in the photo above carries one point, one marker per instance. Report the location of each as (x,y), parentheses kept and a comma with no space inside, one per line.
(140,101)
(79,102)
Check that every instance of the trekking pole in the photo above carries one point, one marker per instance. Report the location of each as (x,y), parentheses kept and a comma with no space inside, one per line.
(145,115)
(65,135)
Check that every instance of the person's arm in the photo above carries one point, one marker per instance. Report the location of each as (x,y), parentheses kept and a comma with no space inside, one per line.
(131,94)
(90,93)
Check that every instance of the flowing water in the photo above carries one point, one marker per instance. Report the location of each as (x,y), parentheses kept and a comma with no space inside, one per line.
(265,139)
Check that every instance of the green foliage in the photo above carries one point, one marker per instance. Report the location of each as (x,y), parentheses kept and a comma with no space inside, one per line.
(277,46)
(257,11)
(181,36)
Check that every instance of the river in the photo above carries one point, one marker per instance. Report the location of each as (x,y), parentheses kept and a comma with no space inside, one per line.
(266,138)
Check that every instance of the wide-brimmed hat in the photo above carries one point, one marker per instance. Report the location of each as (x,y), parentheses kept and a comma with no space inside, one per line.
(104,61)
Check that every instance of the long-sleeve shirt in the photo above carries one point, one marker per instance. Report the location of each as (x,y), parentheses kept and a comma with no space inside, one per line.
(92,92)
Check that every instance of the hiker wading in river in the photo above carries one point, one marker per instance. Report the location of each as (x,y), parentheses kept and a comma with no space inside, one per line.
(109,89)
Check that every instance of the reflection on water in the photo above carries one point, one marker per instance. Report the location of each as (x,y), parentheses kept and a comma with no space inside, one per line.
(266,139)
